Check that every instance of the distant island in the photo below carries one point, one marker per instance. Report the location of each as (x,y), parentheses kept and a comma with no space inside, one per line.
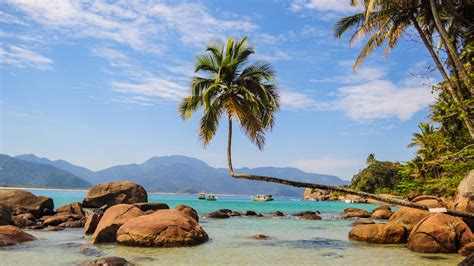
(171,174)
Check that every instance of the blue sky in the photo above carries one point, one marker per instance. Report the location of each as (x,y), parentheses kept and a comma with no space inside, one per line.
(97,82)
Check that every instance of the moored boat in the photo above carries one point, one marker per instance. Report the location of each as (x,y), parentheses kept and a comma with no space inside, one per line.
(202,196)
(211,197)
(262,198)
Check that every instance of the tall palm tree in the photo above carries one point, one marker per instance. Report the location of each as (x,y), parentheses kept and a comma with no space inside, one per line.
(246,93)
(386,21)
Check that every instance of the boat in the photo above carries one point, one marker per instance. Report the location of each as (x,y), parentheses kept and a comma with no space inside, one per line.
(211,197)
(202,196)
(262,198)
(348,201)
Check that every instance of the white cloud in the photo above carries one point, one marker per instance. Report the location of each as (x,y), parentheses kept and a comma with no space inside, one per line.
(296,100)
(159,87)
(22,57)
(322,5)
(115,57)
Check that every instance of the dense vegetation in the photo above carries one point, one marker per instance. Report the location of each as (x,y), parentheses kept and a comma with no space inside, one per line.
(445,147)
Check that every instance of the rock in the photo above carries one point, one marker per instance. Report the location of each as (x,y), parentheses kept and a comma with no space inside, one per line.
(468,261)
(114,193)
(250,213)
(151,206)
(382,214)
(260,237)
(373,201)
(228,211)
(5,215)
(467,250)
(109,261)
(464,200)
(53,228)
(19,221)
(363,221)
(430,201)
(72,208)
(21,201)
(235,214)
(219,214)
(379,233)
(277,214)
(113,218)
(316,194)
(308,215)
(11,235)
(407,217)
(60,218)
(91,223)
(383,207)
(355,212)
(188,211)
(439,233)
(165,228)
(72,224)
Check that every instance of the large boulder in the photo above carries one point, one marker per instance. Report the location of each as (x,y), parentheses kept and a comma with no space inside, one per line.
(382,212)
(316,194)
(11,235)
(379,233)
(21,201)
(355,212)
(91,223)
(60,218)
(467,249)
(185,209)
(429,201)
(109,194)
(5,215)
(440,233)
(113,218)
(407,217)
(165,228)
(465,194)
(72,208)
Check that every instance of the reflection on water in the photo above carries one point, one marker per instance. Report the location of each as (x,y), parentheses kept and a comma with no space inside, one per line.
(293,241)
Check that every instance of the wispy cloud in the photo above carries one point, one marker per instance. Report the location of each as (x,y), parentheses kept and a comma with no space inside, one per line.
(158,87)
(328,165)
(22,57)
(322,5)
(296,100)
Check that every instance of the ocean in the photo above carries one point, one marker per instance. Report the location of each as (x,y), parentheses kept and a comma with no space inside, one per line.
(293,241)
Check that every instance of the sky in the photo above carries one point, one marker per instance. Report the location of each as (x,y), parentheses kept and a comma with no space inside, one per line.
(96,83)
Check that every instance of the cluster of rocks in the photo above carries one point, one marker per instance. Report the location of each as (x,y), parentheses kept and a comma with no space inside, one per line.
(227,213)
(113,212)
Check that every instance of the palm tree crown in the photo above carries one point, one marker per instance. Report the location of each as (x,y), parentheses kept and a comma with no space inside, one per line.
(229,85)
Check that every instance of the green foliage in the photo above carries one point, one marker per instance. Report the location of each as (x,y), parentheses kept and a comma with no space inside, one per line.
(377,177)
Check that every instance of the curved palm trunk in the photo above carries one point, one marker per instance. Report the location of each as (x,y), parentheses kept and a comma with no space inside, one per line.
(456,94)
(325,187)
(451,50)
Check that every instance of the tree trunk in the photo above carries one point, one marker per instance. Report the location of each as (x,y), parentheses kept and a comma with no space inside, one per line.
(456,94)
(346,190)
(451,50)
(229,147)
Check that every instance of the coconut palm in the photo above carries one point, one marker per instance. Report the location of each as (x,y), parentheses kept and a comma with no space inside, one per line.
(246,93)
(231,87)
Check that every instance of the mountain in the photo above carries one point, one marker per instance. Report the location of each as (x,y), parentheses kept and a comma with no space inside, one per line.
(19,172)
(186,174)
(61,164)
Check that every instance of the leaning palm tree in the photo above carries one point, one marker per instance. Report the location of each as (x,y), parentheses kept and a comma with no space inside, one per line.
(245,92)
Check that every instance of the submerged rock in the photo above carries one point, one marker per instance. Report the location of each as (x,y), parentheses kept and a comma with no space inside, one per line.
(277,214)
(21,201)
(260,237)
(11,235)
(113,218)
(355,212)
(379,233)
(165,228)
(250,213)
(363,221)
(439,233)
(114,193)
(109,261)
(186,210)
(308,215)
(219,214)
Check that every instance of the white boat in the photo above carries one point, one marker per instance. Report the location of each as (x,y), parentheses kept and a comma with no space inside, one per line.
(211,197)
(348,201)
(262,198)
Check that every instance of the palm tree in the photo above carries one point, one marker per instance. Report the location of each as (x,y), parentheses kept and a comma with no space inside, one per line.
(246,93)
(386,21)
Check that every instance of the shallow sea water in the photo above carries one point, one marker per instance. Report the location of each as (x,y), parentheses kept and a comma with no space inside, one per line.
(293,242)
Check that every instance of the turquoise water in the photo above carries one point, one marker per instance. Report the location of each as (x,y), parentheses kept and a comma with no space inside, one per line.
(293,242)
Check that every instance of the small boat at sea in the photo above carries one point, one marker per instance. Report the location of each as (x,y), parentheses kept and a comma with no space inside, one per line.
(348,201)
(262,198)
(202,196)
(211,197)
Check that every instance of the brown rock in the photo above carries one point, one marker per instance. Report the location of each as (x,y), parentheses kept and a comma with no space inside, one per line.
(316,194)
(165,228)
(19,221)
(188,211)
(109,261)
(464,200)
(277,214)
(407,217)
(468,261)
(113,218)
(249,213)
(382,214)
(11,235)
(72,208)
(430,201)
(308,215)
(21,201)
(219,215)
(72,224)
(151,206)
(52,228)
(363,221)
(114,193)
(260,237)
(439,233)
(378,233)
(60,218)
(5,215)
(355,212)
(467,250)
(91,223)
